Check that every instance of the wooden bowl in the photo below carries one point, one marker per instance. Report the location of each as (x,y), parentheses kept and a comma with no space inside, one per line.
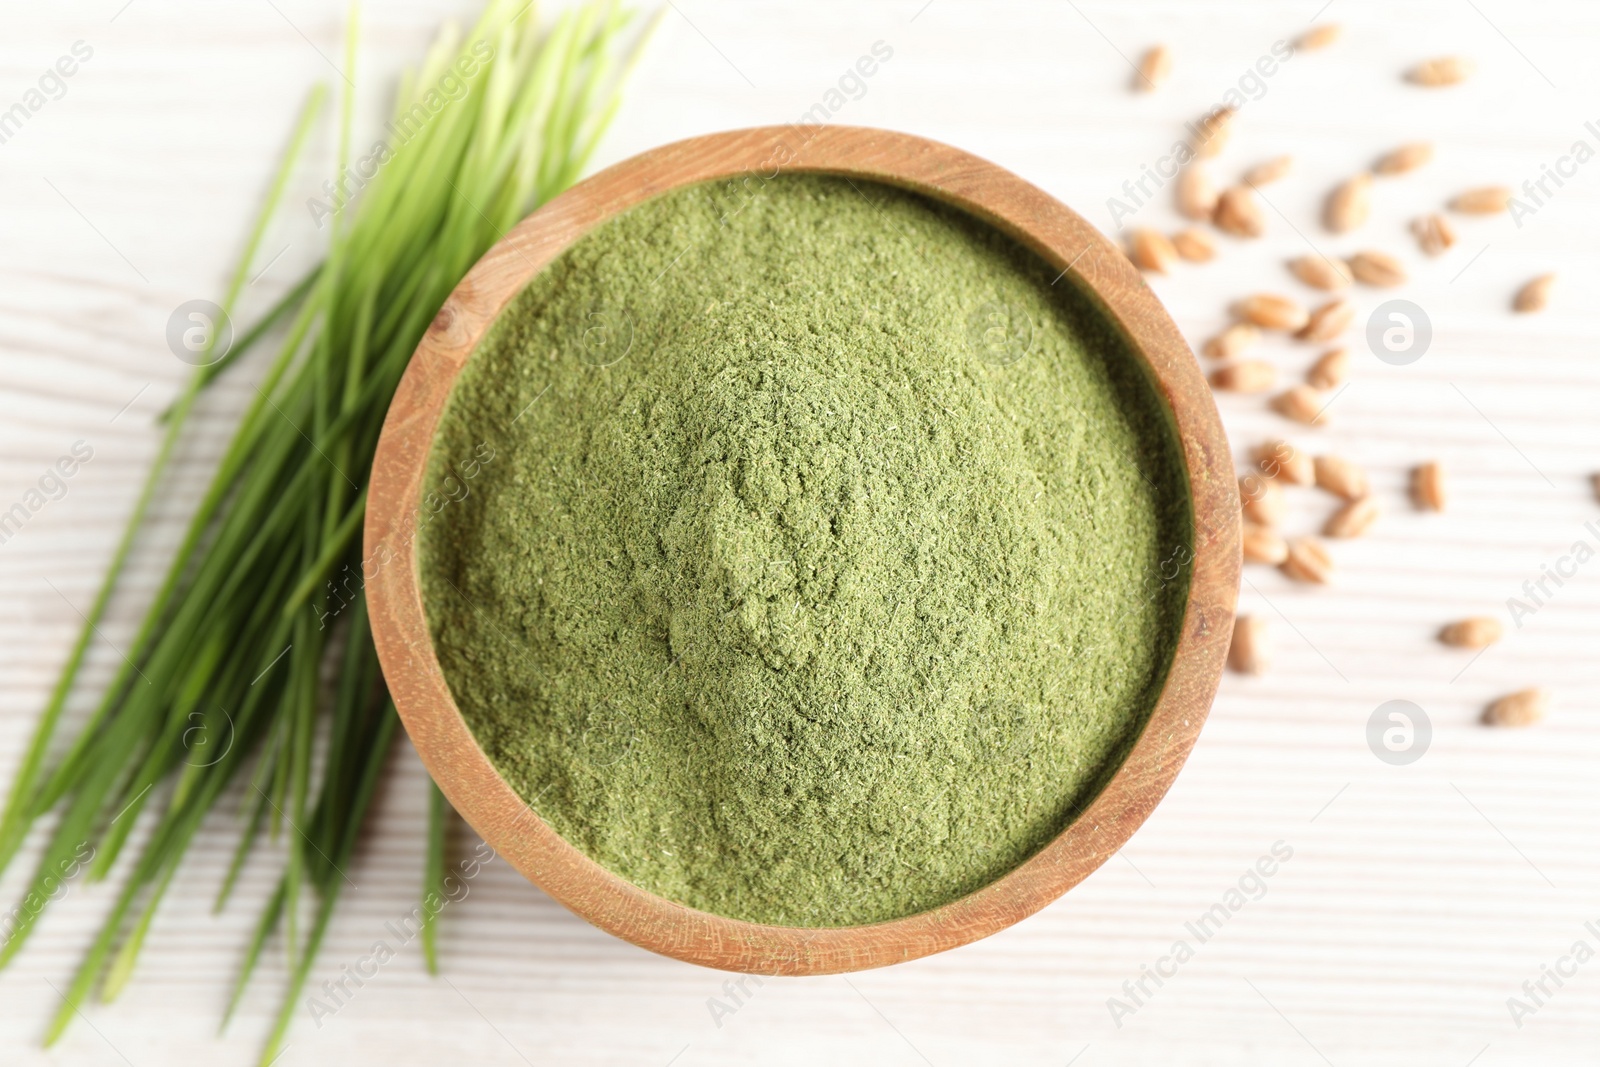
(486,801)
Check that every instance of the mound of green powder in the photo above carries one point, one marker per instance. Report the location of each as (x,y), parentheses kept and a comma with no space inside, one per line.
(800,553)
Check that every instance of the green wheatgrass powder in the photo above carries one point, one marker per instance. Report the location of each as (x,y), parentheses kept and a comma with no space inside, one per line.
(800,553)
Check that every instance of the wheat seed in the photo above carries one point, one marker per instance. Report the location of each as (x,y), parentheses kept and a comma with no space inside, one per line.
(1319,37)
(1434,234)
(1406,158)
(1308,561)
(1321,272)
(1445,70)
(1427,486)
(1196,193)
(1262,544)
(1248,652)
(1214,129)
(1534,296)
(1154,67)
(1262,500)
(1281,460)
(1238,213)
(1341,477)
(1271,312)
(1353,519)
(1484,200)
(1349,204)
(1329,371)
(1246,376)
(1328,321)
(1524,708)
(1479,631)
(1232,341)
(1151,250)
(1270,171)
(1195,245)
(1301,403)
(1377,269)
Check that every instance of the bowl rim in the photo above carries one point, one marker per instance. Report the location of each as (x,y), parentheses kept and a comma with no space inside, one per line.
(512,828)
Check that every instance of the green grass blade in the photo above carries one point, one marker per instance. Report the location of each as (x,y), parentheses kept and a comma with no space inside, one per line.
(283,512)
(247,839)
(358,810)
(253,336)
(433,877)
(270,916)
(14,824)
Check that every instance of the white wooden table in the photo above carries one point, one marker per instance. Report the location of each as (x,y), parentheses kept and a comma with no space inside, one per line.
(1418,898)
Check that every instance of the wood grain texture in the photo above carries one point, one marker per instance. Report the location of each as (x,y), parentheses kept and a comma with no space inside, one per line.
(492,806)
